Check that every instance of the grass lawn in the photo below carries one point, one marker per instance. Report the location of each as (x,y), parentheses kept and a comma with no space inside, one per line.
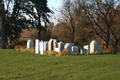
(29,66)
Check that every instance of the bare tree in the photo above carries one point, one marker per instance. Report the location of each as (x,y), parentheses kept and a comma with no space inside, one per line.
(67,17)
(102,16)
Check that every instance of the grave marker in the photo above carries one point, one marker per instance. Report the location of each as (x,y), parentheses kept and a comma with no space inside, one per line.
(30,44)
(50,45)
(41,46)
(93,46)
(54,44)
(61,45)
(37,46)
(87,47)
(74,49)
(45,45)
(69,47)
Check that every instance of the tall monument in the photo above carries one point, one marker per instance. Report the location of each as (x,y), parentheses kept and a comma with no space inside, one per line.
(2,28)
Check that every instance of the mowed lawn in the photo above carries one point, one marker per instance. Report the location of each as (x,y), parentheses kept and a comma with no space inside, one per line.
(29,66)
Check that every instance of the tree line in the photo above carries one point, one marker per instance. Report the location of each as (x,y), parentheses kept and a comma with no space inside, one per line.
(84,20)
(22,14)
(80,21)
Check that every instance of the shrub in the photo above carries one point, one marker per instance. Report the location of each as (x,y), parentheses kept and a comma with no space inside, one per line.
(23,49)
(111,51)
(51,53)
(32,50)
(55,53)
(17,48)
(64,52)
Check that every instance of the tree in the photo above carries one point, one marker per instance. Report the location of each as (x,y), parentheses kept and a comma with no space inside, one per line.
(61,33)
(42,13)
(15,18)
(68,18)
(99,13)
(72,27)
(21,14)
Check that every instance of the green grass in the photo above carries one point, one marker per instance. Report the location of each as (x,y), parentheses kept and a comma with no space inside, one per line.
(29,66)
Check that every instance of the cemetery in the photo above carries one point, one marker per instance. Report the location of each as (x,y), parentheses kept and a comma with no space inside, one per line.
(54,48)
(53,45)
(68,50)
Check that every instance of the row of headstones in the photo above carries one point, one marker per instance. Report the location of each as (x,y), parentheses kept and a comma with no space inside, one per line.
(52,45)
(92,48)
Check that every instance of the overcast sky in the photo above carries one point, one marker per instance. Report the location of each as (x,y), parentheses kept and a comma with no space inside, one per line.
(54,5)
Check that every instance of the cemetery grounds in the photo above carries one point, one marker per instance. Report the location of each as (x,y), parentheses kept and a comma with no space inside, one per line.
(16,65)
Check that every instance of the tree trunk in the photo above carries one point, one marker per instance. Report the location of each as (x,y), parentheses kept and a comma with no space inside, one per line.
(39,26)
(117,41)
(107,43)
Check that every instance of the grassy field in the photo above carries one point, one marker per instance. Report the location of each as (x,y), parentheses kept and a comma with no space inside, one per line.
(30,66)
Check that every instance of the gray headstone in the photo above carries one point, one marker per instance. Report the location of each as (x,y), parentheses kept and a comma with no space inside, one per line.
(87,47)
(30,44)
(93,46)
(52,44)
(2,28)
(74,49)
(45,45)
(69,47)
(83,51)
(61,45)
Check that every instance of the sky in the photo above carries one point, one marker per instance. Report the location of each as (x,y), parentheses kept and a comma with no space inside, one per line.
(54,5)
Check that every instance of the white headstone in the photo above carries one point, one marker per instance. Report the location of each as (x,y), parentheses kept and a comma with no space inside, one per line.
(50,45)
(30,44)
(93,46)
(37,46)
(45,45)
(41,44)
(87,47)
(69,47)
(83,51)
(54,44)
(74,49)
(61,45)
(57,49)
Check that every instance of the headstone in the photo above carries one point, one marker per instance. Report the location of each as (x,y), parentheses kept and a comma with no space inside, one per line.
(37,46)
(45,45)
(57,49)
(61,45)
(82,51)
(2,28)
(93,46)
(41,46)
(87,47)
(74,49)
(55,45)
(50,45)
(69,47)
(30,44)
